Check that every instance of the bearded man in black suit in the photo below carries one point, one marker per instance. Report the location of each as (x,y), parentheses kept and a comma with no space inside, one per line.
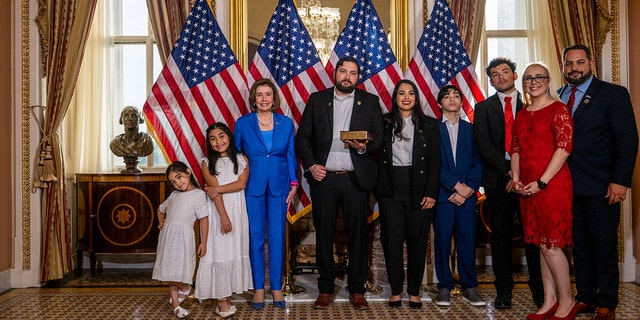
(340,174)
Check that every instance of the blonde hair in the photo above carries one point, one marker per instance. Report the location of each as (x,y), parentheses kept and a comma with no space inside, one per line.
(551,88)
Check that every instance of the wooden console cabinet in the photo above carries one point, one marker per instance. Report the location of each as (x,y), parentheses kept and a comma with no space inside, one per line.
(117,213)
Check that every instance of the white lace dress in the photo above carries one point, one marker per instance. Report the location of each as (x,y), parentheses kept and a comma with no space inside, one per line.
(225,269)
(176,252)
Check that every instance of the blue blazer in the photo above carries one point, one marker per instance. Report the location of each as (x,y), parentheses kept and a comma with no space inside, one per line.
(468,168)
(275,168)
(605,139)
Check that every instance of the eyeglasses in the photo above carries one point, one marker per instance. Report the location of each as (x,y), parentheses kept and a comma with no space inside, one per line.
(538,79)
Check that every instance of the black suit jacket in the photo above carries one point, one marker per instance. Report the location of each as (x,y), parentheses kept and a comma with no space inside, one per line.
(605,142)
(425,162)
(313,140)
(489,134)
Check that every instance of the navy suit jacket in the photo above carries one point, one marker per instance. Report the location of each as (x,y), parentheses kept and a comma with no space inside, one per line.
(489,134)
(315,133)
(468,166)
(605,142)
(275,168)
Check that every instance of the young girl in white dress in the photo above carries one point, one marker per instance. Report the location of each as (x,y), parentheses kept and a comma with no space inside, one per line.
(176,253)
(225,269)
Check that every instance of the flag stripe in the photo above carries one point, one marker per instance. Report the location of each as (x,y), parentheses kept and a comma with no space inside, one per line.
(441,59)
(364,39)
(427,99)
(201,83)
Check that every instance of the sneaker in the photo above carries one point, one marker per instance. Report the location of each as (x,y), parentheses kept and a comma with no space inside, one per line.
(443,298)
(472,296)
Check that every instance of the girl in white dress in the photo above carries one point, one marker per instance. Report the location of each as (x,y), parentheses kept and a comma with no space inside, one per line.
(176,253)
(225,269)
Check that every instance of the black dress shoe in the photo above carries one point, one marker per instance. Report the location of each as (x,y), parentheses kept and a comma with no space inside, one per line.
(415,305)
(395,304)
(503,302)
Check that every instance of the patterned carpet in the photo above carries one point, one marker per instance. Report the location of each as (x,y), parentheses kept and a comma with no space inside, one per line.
(151,303)
(113,277)
(142,278)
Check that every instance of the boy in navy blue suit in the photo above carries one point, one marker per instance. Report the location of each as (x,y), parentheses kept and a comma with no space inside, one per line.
(460,177)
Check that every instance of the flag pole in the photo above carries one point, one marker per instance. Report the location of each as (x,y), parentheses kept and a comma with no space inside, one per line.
(289,287)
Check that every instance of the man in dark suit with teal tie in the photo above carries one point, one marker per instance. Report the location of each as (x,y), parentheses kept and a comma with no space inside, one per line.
(605,146)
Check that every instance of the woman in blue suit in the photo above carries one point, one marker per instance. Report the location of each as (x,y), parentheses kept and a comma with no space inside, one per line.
(267,139)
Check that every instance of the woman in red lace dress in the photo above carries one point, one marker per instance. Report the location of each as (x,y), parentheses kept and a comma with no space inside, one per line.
(542,141)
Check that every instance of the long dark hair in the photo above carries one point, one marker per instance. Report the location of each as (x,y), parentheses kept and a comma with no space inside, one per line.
(213,155)
(394,118)
(181,167)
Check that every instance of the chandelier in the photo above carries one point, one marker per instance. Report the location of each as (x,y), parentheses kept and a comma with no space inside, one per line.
(322,25)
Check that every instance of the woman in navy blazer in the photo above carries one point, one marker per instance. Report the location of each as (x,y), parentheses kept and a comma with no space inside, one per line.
(267,139)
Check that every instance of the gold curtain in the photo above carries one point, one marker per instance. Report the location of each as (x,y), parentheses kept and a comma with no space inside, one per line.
(469,16)
(580,22)
(167,19)
(64,27)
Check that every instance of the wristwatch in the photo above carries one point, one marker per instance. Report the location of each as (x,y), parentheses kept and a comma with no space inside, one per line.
(541,185)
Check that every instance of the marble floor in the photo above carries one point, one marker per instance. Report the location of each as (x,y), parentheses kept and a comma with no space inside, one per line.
(132,294)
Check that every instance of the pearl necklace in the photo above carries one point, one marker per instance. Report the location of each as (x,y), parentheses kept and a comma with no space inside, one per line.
(268,122)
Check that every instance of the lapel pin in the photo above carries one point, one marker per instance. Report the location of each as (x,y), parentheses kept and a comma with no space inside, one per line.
(587,97)
(359,103)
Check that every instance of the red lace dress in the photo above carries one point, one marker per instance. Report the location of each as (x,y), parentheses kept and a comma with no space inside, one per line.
(546,216)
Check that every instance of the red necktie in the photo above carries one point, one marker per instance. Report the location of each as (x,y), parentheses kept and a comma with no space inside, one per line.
(572,99)
(508,123)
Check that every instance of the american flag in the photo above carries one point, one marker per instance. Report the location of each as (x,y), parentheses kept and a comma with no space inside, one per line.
(287,56)
(364,39)
(440,59)
(200,84)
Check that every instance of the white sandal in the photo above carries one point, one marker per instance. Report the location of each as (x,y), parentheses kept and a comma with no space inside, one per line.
(181,312)
(184,293)
(227,313)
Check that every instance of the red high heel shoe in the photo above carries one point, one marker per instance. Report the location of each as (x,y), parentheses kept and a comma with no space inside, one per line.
(571,316)
(544,316)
